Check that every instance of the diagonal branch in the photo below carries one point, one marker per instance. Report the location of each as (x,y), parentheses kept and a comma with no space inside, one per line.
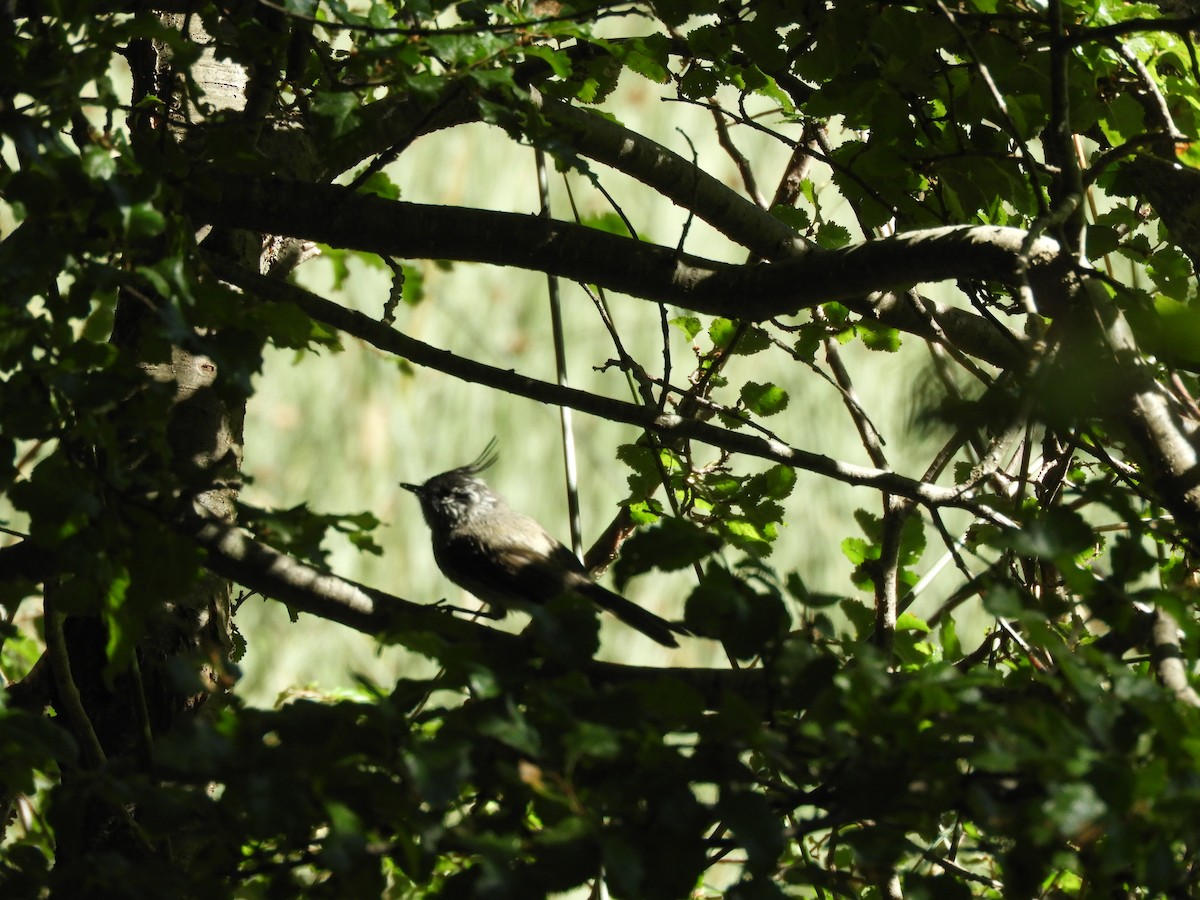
(669,426)
(234,555)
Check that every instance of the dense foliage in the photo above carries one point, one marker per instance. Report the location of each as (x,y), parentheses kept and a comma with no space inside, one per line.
(165,166)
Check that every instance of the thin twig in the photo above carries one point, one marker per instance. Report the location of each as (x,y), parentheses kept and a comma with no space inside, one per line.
(872,441)
(1162,109)
(560,370)
(669,427)
(739,158)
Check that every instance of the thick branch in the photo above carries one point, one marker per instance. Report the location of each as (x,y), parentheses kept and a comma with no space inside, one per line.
(1153,416)
(396,123)
(1169,660)
(234,555)
(333,215)
(676,178)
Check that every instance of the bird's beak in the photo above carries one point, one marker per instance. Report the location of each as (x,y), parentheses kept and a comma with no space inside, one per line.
(415,488)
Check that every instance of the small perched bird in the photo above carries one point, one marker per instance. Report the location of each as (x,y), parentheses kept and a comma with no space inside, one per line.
(507,559)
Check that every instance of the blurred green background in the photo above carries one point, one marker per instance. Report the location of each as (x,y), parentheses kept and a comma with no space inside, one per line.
(338,431)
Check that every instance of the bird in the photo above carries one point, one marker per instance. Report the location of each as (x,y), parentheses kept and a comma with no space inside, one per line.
(507,559)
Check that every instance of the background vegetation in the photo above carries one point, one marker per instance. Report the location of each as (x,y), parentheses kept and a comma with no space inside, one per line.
(897,409)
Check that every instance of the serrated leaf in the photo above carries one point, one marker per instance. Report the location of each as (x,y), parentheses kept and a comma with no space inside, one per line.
(859,551)
(645,512)
(794,217)
(380,184)
(832,236)
(748,535)
(764,399)
(646,476)
(807,344)
(878,337)
(647,55)
(721,331)
(558,61)
(776,482)
(689,325)
(739,338)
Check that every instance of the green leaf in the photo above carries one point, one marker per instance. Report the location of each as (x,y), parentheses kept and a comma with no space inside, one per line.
(1124,117)
(689,325)
(1055,533)
(777,482)
(878,337)
(948,631)
(646,476)
(859,551)
(380,184)
(753,537)
(610,223)
(744,339)
(698,82)
(908,622)
(669,545)
(559,62)
(647,55)
(764,399)
(338,112)
(794,217)
(726,607)
(832,236)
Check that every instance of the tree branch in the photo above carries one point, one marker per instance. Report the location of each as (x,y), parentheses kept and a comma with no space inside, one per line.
(672,176)
(669,426)
(1168,660)
(234,555)
(333,215)
(1153,415)
(66,692)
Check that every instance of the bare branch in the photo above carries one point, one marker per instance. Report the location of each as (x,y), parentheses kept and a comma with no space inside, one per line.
(234,555)
(1168,659)
(669,426)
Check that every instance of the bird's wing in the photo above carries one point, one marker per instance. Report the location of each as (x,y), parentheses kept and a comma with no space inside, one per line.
(510,572)
(529,567)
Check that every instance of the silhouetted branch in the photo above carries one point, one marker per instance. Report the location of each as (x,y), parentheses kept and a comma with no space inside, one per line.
(333,215)
(669,426)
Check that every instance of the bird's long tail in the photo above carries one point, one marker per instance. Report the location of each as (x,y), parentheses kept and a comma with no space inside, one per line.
(654,627)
